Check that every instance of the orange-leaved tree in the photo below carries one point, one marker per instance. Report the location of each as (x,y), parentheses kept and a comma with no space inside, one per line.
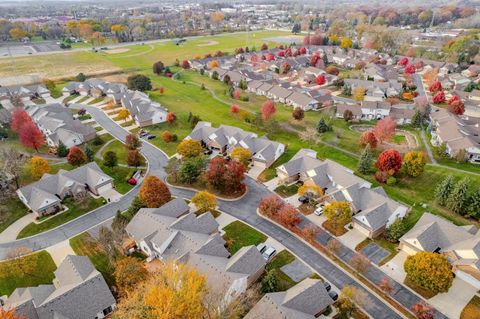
(154,193)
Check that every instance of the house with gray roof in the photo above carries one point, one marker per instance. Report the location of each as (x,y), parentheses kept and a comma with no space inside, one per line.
(225,138)
(171,232)
(96,88)
(58,125)
(78,291)
(45,196)
(306,300)
(144,111)
(279,94)
(461,244)
(373,210)
(302,100)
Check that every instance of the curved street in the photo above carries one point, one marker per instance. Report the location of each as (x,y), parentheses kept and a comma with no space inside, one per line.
(243,209)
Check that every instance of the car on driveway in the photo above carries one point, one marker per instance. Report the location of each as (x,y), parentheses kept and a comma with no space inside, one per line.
(327,285)
(319,210)
(303,199)
(261,247)
(269,253)
(333,295)
(150,136)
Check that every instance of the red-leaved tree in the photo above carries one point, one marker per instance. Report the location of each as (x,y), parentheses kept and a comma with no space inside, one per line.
(422,310)
(439,97)
(457,107)
(453,99)
(389,161)
(314,59)
(234,108)
(19,117)
(320,80)
(132,142)
(226,176)
(268,110)
(186,64)
(76,156)
(31,136)
(410,69)
(236,94)
(281,54)
(435,87)
(385,129)
(270,205)
(264,47)
(368,137)
(269,57)
(171,118)
(288,216)
(403,62)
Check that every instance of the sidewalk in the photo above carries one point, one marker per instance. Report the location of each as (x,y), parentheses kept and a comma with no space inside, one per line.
(14,229)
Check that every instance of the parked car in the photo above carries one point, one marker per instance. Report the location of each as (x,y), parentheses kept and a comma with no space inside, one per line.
(261,247)
(150,136)
(333,295)
(327,285)
(319,210)
(269,253)
(208,152)
(304,199)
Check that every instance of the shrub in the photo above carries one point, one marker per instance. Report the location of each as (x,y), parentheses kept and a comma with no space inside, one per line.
(391,180)
(132,181)
(381,176)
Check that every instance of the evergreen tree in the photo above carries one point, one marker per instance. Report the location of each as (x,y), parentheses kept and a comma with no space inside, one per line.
(417,119)
(365,161)
(347,90)
(458,197)
(325,59)
(62,150)
(296,28)
(473,207)
(443,190)
(322,126)
(89,152)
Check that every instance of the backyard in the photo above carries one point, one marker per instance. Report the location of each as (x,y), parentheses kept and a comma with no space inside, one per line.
(238,235)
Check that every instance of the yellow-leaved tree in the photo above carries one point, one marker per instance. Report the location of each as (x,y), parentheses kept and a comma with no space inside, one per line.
(315,190)
(123,114)
(414,163)
(189,148)
(38,166)
(204,201)
(242,155)
(338,213)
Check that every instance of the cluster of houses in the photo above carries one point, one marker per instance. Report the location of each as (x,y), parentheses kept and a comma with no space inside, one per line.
(78,291)
(225,138)
(13,96)
(58,125)
(141,108)
(376,110)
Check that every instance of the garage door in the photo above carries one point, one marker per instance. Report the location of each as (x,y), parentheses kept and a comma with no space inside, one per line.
(104,188)
(409,250)
(360,228)
(260,164)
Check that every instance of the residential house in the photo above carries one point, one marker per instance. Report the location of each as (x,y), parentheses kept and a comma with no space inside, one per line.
(306,300)
(225,138)
(355,109)
(460,244)
(264,89)
(279,94)
(58,125)
(96,88)
(172,233)
(302,100)
(375,110)
(142,109)
(253,86)
(45,196)
(78,291)
(402,114)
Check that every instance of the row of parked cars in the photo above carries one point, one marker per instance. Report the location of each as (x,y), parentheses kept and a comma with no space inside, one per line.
(146,135)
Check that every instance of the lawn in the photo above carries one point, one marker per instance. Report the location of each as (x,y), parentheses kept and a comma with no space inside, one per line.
(118,148)
(11,209)
(472,309)
(399,139)
(283,258)
(83,99)
(86,245)
(13,142)
(238,235)
(71,97)
(75,209)
(287,190)
(43,274)
(120,176)
(96,100)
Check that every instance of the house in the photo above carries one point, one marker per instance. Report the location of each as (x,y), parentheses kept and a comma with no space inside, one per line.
(96,88)
(302,100)
(78,292)
(21,95)
(472,72)
(402,115)
(279,94)
(306,300)
(355,109)
(58,125)
(253,86)
(373,210)
(142,109)
(225,138)
(457,132)
(460,244)
(45,196)
(172,233)
(264,89)
(375,110)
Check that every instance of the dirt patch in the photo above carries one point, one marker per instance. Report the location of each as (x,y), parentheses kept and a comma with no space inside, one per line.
(116,51)
(208,43)
(115,78)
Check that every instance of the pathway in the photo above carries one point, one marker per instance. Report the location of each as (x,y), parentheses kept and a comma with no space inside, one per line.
(427,147)
(11,233)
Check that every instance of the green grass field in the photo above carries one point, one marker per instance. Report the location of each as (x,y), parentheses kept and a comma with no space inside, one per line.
(284,282)
(238,235)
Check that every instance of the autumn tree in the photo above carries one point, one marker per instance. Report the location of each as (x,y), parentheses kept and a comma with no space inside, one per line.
(10,314)
(430,271)
(350,297)
(189,148)
(171,118)
(334,246)
(439,97)
(423,311)
(268,110)
(154,193)
(410,69)
(234,109)
(320,79)
(241,155)
(359,93)
(310,232)
(129,272)
(270,205)
(396,230)
(134,158)
(414,163)
(123,114)
(360,263)
(204,201)
(132,142)
(288,216)
(435,87)
(158,67)
(386,285)
(346,43)
(31,136)
(385,129)
(331,69)
(110,159)
(19,118)
(457,107)
(389,161)
(368,138)
(340,213)
(226,176)
(76,156)
(310,190)
(38,166)
(298,113)
(12,162)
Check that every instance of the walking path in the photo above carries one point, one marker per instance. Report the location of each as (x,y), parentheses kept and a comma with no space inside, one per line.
(11,233)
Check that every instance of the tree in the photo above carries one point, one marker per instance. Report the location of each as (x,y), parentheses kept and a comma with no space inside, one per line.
(359,93)
(185,64)
(123,114)
(19,118)
(346,43)
(166,136)
(360,263)
(410,69)
(396,230)
(435,87)
(389,161)
(348,115)
(385,129)
(270,205)
(242,155)
(226,177)
(171,118)
(310,232)
(423,311)
(386,285)
(331,69)
(298,113)
(10,314)
(457,107)
(417,119)
(189,148)
(110,159)
(204,201)
(457,199)
(62,150)
(158,67)
(264,47)
(132,142)
(134,158)
(442,192)
(268,110)
(38,166)
(320,79)
(139,82)
(288,216)
(161,90)
(365,162)
(403,61)
(17,33)
(234,109)
(191,168)
(154,193)
(31,136)
(439,97)
(351,297)
(347,90)
(414,163)
(429,270)
(368,138)
(310,190)
(13,162)
(296,28)
(338,213)
(76,156)
(129,272)
(285,68)
(269,282)
(334,246)
(322,126)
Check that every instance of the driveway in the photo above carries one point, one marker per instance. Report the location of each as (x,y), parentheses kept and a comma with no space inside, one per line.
(457,297)
(272,184)
(352,238)
(394,268)
(11,233)
(375,253)
(255,171)
(111,195)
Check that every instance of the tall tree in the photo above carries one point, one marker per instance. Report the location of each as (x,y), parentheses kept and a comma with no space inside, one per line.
(132,142)
(351,297)
(417,119)
(129,273)
(270,205)
(389,161)
(429,270)
(473,208)
(62,150)
(189,148)
(442,192)
(31,136)
(13,162)
(288,216)
(154,193)
(241,155)
(19,118)
(38,166)
(268,110)
(298,113)
(414,163)
(338,213)
(110,159)
(76,156)
(385,129)
(123,114)
(89,152)
(134,158)
(368,138)
(171,118)
(365,162)
(457,200)
(139,82)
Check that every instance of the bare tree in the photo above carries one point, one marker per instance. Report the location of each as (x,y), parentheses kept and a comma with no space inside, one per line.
(386,285)
(13,162)
(334,246)
(360,263)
